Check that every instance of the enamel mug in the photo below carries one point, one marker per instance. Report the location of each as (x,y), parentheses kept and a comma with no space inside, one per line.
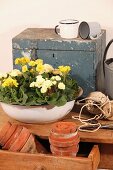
(90,30)
(67,28)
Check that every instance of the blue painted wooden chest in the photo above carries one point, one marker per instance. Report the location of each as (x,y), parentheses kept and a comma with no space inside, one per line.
(84,56)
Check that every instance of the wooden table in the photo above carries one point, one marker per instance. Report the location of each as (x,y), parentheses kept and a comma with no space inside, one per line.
(104,138)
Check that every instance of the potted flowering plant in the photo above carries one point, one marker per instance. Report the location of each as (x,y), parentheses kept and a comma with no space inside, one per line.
(37,83)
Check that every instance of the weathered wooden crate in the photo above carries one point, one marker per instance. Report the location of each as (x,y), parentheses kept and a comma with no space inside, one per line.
(88,156)
(84,56)
(23,161)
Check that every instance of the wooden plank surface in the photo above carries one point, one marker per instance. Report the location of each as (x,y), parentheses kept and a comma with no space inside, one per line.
(101,136)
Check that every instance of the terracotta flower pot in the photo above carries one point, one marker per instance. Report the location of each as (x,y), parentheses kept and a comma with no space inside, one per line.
(67,143)
(68,151)
(64,139)
(4,130)
(21,140)
(9,133)
(12,139)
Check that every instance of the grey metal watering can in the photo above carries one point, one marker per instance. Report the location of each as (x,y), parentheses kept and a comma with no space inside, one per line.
(108,72)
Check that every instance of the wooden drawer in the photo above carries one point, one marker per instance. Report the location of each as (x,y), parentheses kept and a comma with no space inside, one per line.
(22,161)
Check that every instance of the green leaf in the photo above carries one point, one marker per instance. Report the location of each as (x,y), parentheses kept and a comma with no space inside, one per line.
(24,95)
(53,98)
(38,92)
(61,101)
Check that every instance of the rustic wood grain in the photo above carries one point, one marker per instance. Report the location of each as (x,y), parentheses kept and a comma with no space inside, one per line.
(47,162)
(95,156)
(43,161)
(101,136)
(106,156)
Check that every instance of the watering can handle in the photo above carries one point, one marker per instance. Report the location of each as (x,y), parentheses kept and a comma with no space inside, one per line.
(105,53)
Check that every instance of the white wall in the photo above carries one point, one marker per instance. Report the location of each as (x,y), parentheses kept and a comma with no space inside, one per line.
(16,15)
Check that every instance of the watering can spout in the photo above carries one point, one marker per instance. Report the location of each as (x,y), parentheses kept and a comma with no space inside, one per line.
(108,72)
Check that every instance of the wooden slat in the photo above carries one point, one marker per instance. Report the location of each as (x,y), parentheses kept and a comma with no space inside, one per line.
(101,136)
(95,156)
(23,161)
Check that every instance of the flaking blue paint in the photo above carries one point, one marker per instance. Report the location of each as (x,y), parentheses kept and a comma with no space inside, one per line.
(84,56)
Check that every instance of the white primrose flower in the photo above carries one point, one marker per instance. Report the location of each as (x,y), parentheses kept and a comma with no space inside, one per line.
(15,73)
(54,82)
(39,78)
(53,78)
(39,81)
(47,83)
(58,78)
(3,75)
(43,89)
(61,86)
(33,84)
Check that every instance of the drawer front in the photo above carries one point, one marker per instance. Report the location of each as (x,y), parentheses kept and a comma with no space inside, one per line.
(82,64)
(21,161)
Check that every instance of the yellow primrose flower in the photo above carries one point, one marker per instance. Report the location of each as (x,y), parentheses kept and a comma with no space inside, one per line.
(24,68)
(61,86)
(22,60)
(17,61)
(9,82)
(39,61)
(25,60)
(40,68)
(64,69)
(32,63)
(32,70)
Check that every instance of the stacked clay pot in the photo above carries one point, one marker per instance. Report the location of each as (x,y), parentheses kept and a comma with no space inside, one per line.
(64,139)
(17,138)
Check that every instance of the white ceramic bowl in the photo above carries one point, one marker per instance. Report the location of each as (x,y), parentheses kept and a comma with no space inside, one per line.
(37,114)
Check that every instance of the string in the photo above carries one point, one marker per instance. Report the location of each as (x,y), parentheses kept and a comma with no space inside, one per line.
(99,106)
(85,122)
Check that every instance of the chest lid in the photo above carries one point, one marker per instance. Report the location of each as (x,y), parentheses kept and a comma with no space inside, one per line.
(47,39)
